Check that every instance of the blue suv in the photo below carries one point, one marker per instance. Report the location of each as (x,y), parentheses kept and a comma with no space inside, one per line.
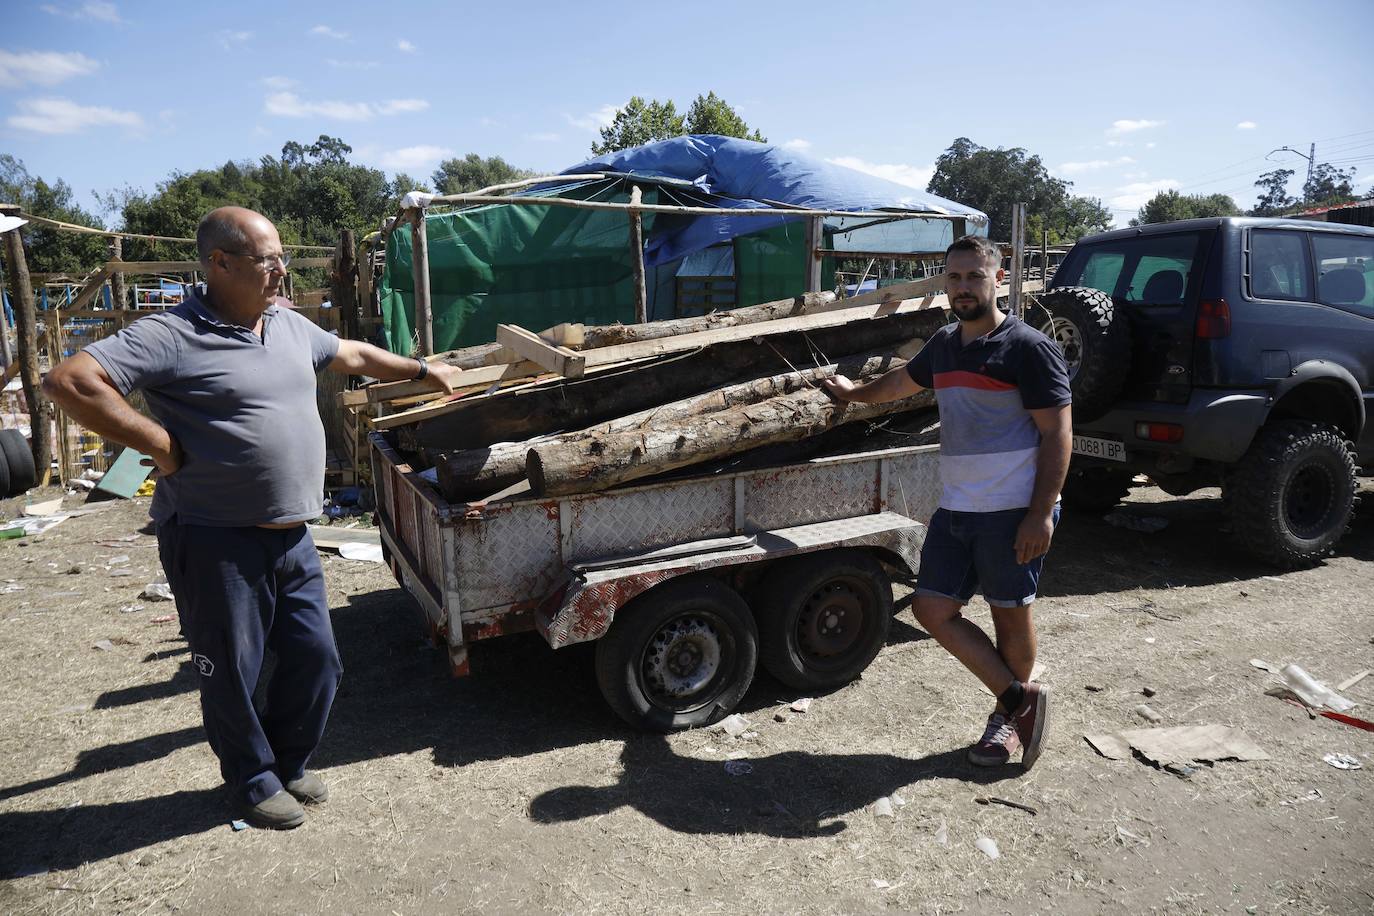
(1236,352)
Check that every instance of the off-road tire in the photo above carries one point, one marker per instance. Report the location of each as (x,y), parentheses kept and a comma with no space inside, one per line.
(1291,495)
(1095,489)
(634,652)
(823,618)
(18,458)
(1095,340)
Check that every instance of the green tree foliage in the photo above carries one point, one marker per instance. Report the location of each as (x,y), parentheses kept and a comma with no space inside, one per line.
(994,179)
(1167,206)
(1274,198)
(311,192)
(472,172)
(1328,186)
(641,122)
(51,250)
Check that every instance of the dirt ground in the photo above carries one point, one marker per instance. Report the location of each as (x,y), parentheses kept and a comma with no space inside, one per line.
(516,789)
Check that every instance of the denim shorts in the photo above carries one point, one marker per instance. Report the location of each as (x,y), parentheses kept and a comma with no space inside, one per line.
(968,552)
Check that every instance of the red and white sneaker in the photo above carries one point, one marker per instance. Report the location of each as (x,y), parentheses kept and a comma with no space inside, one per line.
(998,743)
(1032,722)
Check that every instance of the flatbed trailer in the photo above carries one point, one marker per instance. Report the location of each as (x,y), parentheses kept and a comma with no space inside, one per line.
(686,584)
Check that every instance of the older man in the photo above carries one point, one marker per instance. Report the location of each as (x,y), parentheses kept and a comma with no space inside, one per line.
(229,378)
(1005,432)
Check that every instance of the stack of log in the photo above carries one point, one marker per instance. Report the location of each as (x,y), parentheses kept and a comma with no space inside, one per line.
(587,409)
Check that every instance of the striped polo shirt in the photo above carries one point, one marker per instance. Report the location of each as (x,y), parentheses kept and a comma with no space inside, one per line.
(985,390)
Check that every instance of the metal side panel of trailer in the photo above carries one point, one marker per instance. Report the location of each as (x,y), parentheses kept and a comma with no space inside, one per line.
(480,570)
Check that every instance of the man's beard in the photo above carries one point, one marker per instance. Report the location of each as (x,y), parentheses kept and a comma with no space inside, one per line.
(971,309)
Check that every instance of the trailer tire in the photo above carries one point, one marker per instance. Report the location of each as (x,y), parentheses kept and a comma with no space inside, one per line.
(18,458)
(1095,340)
(681,655)
(823,618)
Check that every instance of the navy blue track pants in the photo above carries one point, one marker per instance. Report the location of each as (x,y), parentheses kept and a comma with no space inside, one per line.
(239,592)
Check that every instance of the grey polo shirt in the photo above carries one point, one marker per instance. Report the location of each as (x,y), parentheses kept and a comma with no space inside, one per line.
(242,407)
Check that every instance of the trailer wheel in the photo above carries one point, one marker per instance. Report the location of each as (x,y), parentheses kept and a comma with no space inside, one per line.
(823,618)
(678,656)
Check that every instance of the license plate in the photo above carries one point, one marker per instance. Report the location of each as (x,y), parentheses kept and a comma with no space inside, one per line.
(1099,448)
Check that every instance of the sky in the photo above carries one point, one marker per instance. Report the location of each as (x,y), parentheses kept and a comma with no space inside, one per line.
(1123,100)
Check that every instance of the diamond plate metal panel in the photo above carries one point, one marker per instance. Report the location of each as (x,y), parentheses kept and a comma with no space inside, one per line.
(509,556)
(634,521)
(913,486)
(804,494)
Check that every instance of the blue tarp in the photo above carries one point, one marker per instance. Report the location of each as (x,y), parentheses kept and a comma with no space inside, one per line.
(741,173)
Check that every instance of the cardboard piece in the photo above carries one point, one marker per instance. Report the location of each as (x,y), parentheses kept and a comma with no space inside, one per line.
(1113,747)
(1185,744)
(126,475)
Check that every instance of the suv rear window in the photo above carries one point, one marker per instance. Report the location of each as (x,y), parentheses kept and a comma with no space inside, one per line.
(1278,265)
(1145,270)
(1345,271)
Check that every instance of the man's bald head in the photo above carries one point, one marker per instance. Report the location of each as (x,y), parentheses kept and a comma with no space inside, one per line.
(227,229)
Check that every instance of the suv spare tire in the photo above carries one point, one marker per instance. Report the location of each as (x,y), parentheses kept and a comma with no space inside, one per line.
(15,452)
(1096,342)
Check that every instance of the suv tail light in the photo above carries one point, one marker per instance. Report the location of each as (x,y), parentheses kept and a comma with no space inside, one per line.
(1159,432)
(1213,319)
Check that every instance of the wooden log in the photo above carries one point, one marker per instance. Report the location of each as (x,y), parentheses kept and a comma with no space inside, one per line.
(480,472)
(602,462)
(637,257)
(419,258)
(610,393)
(815,241)
(346,286)
(121,293)
(26,328)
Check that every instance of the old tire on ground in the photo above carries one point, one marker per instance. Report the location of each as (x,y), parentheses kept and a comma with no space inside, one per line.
(4,477)
(678,656)
(14,448)
(1095,489)
(1096,341)
(1292,493)
(823,618)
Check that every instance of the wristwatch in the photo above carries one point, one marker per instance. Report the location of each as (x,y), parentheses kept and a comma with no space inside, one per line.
(424,370)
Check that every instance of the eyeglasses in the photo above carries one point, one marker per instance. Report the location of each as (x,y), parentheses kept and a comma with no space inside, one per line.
(265,261)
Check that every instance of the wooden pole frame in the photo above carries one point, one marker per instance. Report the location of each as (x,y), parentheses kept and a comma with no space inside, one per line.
(815,241)
(419,259)
(637,256)
(26,326)
(1018,256)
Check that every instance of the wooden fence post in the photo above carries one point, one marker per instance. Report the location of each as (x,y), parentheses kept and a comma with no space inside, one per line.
(26,324)
(419,257)
(637,258)
(117,254)
(1018,257)
(815,240)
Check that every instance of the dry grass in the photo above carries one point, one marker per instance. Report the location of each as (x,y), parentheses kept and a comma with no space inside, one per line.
(516,790)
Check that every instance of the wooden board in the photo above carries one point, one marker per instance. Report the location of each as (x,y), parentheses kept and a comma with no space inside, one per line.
(531,346)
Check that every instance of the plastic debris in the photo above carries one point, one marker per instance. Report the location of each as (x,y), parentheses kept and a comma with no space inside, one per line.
(897,800)
(1148,714)
(35,526)
(733,725)
(883,808)
(371,553)
(1262,665)
(1311,796)
(801,705)
(104,645)
(738,767)
(238,825)
(117,561)
(1147,524)
(1343,761)
(130,608)
(988,847)
(1149,640)
(880,884)
(157,591)
(1312,691)
(942,833)
(162,618)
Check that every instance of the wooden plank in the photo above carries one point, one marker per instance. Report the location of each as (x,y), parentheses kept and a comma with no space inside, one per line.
(453,402)
(637,257)
(331,537)
(175,267)
(92,288)
(419,259)
(532,347)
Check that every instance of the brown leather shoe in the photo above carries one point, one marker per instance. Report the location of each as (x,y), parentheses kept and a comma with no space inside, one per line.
(308,789)
(277,812)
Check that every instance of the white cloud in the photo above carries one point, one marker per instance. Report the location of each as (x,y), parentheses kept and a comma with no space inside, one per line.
(352,64)
(594,121)
(42,68)
(1074,168)
(327,32)
(228,38)
(1136,194)
(405,46)
(543,137)
(101,12)
(1151,145)
(914,176)
(1127,126)
(62,116)
(1246,125)
(1134,176)
(290,105)
(278,82)
(798,145)
(414,157)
